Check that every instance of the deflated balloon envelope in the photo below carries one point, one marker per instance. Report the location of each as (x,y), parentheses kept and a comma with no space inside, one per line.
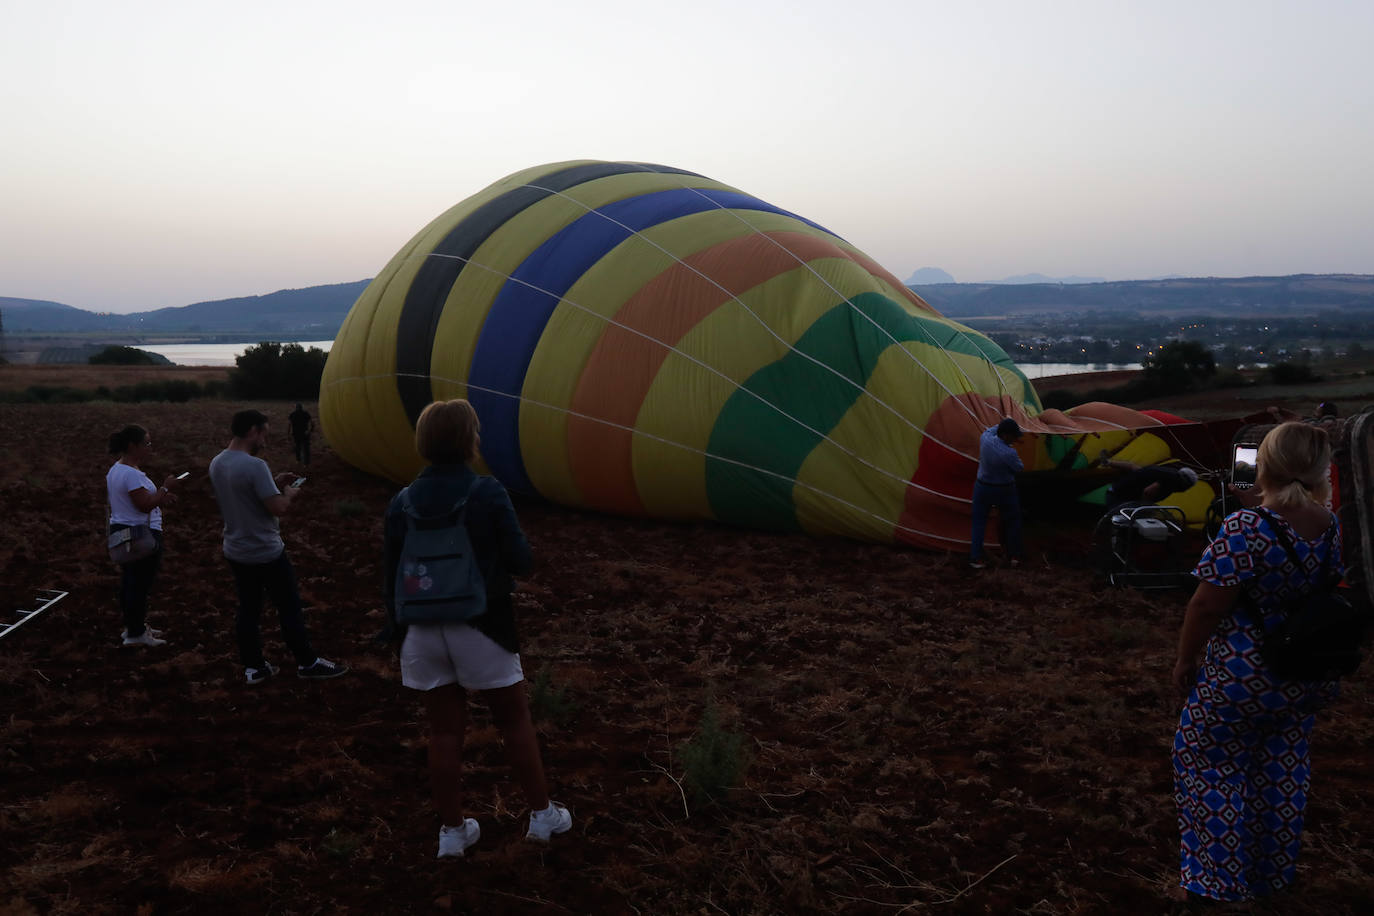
(643,340)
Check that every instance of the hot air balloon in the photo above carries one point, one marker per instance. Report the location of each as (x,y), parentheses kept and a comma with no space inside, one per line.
(644,340)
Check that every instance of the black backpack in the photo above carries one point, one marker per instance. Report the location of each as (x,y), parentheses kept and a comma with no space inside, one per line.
(1320,634)
(437,579)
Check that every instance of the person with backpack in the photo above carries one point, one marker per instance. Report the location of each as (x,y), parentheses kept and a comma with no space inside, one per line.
(1240,753)
(452,544)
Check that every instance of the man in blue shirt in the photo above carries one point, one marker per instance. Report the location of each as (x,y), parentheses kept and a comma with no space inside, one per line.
(998,465)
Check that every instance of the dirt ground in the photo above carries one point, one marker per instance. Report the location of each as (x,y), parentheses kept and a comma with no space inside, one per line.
(920,737)
(88,378)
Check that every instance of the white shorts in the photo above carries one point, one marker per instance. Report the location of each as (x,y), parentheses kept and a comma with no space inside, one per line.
(435,654)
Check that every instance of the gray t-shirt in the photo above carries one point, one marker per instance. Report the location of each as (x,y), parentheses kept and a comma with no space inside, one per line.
(242,482)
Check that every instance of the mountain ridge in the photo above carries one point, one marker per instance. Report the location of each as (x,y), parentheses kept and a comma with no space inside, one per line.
(318,311)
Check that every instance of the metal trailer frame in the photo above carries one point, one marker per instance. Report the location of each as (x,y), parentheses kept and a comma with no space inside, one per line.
(1118,539)
(53,596)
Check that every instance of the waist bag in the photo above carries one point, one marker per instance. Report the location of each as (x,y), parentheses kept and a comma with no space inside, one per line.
(438,580)
(130,544)
(1320,633)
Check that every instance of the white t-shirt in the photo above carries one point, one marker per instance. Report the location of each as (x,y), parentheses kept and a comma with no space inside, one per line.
(118,483)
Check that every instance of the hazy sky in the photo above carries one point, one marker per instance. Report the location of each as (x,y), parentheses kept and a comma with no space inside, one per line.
(162,153)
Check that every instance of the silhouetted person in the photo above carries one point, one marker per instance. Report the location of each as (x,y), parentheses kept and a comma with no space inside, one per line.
(301,425)
(1147,484)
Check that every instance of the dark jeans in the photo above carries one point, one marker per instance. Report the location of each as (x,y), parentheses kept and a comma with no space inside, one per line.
(1008,504)
(135,583)
(303,450)
(275,580)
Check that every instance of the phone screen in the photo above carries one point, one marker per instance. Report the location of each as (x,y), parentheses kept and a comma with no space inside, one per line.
(1243,465)
(183,475)
(297,482)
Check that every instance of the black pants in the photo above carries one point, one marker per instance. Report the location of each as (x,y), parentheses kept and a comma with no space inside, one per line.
(277,581)
(303,450)
(135,583)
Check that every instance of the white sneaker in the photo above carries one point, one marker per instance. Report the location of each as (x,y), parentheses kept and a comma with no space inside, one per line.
(157,634)
(258,675)
(453,840)
(544,824)
(146,638)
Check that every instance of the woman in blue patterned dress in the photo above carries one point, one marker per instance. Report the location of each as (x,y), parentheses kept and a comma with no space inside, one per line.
(1241,761)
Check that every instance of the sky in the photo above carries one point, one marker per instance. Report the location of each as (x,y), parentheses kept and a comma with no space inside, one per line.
(162,153)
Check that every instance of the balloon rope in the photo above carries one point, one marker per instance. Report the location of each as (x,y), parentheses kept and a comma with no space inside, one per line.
(738,387)
(763,324)
(968,382)
(969,387)
(691,448)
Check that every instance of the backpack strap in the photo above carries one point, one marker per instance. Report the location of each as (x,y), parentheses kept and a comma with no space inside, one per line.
(1328,538)
(452,517)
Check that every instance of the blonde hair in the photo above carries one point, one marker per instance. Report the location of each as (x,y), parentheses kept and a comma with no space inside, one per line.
(446,432)
(1294,464)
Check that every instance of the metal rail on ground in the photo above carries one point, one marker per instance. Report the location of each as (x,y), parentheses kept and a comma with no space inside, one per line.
(46,598)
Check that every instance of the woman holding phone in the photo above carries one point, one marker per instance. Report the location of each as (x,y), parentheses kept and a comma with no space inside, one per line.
(135,500)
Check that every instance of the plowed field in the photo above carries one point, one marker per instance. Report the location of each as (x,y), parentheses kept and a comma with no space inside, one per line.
(919,736)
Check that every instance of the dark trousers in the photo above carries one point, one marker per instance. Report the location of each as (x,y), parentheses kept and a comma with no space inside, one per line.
(1008,504)
(303,450)
(275,580)
(135,583)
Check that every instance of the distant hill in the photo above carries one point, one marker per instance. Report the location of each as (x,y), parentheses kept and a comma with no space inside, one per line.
(315,311)
(1297,294)
(929,275)
(1041,278)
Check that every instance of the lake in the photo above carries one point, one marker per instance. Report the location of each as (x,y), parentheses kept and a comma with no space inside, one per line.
(218,354)
(223,355)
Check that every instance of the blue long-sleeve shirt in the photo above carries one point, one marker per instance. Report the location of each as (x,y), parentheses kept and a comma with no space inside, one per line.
(998,463)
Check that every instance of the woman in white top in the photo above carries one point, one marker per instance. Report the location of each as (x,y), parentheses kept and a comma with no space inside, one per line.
(135,500)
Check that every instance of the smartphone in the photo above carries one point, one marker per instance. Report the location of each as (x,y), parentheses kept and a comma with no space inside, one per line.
(183,475)
(295,484)
(1243,465)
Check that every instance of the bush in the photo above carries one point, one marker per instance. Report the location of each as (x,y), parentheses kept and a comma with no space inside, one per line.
(714,760)
(47,394)
(125,356)
(549,702)
(1290,374)
(278,371)
(349,508)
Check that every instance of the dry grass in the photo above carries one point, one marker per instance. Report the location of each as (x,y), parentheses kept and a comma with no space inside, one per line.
(920,738)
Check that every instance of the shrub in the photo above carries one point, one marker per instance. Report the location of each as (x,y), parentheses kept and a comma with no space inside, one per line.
(549,702)
(714,759)
(1290,374)
(349,508)
(125,356)
(278,371)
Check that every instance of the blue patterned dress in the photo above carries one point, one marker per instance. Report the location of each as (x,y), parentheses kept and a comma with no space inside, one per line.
(1241,761)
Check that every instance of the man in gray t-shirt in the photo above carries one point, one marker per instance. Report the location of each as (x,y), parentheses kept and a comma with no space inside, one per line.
(252,501)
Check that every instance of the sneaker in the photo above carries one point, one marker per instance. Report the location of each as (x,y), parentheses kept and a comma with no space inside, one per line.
(146,638)
(976,564)
(157,634)
(453,840)
(544,824)
(322,669)
(258,675)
